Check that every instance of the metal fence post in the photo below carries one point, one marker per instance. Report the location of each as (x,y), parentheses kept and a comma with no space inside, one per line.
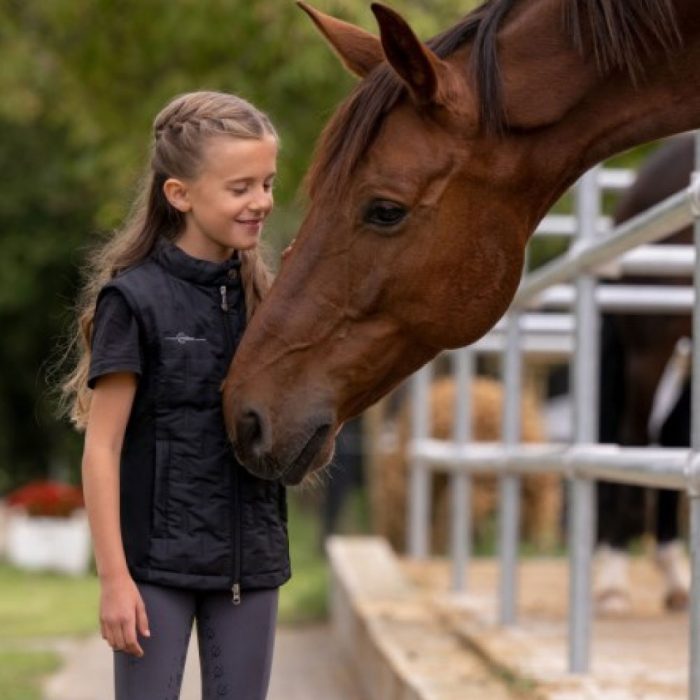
(418,514)
(460,481)
(510,482)
(585,391)
(694,481)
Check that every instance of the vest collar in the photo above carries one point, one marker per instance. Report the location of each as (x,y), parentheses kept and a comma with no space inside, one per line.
(182,265)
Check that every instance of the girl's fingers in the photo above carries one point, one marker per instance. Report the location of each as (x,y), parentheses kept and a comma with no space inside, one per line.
(105,633)
(142,619)
(131,645)
(117,635)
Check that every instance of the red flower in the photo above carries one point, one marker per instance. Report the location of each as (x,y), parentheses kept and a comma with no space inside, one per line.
(49,498)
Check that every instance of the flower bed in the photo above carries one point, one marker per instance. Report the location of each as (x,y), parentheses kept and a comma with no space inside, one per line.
(48,498)
(47,528)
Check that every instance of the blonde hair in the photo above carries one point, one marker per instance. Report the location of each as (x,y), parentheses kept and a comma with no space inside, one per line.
(179,133)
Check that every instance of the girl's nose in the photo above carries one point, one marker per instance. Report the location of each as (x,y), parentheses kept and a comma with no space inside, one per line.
(262,202)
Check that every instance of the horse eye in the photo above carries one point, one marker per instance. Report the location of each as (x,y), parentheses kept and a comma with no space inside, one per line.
(384,213)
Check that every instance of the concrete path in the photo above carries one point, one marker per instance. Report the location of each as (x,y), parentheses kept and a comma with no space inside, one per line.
(306,666)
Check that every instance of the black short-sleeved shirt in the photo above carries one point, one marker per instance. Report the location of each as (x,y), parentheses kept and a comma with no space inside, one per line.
(116,346)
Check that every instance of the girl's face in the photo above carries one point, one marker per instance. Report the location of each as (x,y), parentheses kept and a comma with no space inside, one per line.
(226,203)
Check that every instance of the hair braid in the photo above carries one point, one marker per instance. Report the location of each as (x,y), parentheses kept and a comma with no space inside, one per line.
(179,133)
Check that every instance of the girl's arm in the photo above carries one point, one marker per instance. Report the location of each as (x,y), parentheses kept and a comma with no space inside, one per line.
(121,606)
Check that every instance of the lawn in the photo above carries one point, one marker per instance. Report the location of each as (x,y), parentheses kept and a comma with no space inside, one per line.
(20,673)
(46,605)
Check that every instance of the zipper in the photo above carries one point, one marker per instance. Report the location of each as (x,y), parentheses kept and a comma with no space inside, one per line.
(236,587)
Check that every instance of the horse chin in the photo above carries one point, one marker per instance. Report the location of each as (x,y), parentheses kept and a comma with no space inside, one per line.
(316,454)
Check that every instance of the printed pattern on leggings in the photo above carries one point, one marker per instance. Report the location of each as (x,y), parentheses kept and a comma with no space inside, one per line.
(235,645)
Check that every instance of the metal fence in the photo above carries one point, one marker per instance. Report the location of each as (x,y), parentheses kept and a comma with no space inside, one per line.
(569,282)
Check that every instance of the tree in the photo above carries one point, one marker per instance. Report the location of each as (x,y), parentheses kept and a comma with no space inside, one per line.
(81,83)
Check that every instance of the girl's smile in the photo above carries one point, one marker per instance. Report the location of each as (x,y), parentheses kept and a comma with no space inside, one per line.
(226,204)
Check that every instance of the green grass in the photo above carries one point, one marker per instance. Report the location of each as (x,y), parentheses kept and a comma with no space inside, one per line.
(305,596)
(46,604)
(21,673)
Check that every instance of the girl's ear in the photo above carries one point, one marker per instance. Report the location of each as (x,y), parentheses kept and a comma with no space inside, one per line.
(176,193)
(359,50)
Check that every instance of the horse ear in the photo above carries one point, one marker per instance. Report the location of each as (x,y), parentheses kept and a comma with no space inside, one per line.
(417,65)
(359,50)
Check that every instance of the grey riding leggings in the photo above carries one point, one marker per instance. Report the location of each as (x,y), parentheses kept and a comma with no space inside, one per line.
(235,644)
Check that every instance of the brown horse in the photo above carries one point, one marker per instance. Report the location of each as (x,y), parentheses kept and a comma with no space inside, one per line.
(426,186)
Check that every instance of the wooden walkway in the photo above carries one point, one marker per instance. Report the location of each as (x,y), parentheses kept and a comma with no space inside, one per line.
(415,638)
(642,655)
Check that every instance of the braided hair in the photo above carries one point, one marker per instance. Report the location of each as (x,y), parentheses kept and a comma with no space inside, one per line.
(180,131)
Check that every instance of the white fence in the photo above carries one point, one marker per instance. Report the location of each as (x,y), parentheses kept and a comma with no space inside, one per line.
(570,281)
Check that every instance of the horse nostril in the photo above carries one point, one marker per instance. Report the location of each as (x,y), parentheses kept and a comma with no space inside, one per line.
(250,434)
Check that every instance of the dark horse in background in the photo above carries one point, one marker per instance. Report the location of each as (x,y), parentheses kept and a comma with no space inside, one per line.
(635,350)
(425,189)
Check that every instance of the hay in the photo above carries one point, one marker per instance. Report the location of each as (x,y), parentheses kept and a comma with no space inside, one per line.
(541,494)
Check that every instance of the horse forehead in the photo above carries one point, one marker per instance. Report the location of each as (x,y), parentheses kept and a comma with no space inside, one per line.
(413,144)
(408,121)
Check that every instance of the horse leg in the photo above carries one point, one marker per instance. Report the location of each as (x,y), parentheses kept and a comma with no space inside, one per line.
(620,509)
(611,575)
(671,557)
(614,501)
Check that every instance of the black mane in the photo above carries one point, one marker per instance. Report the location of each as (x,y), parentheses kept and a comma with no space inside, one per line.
(620,33)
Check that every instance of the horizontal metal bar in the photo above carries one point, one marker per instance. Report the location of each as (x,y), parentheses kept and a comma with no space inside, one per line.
(486,456)
(534,322)
(549,334)
(566,225)
(658,222)
(549,345)
(620,298)
(661,467)
(655,260)
(616,178)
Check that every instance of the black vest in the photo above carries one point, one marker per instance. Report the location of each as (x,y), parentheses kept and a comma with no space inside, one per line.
(191,515)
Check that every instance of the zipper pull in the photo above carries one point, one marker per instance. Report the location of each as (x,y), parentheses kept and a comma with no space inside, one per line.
(236,593)
(224,303)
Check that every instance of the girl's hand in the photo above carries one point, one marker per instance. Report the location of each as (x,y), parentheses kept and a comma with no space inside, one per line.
(122,613)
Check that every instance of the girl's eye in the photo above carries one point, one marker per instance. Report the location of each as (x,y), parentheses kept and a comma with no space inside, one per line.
(384,213)
(238,191)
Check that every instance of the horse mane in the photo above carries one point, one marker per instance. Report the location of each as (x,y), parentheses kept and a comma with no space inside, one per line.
(620,34)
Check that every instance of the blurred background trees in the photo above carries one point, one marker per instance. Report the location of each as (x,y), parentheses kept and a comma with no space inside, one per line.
(81,81)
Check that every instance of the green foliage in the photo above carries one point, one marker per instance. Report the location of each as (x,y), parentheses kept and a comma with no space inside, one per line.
(81,82)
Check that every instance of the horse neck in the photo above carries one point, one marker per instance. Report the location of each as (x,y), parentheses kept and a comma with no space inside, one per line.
(585,116)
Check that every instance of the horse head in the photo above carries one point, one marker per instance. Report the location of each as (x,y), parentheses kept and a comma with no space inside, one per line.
(424,190)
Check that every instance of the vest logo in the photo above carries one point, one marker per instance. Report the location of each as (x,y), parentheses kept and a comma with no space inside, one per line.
(181,338)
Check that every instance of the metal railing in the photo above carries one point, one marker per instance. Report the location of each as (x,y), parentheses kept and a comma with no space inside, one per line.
(570,281)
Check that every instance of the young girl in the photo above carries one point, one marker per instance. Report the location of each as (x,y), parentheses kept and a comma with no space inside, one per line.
(181,531)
